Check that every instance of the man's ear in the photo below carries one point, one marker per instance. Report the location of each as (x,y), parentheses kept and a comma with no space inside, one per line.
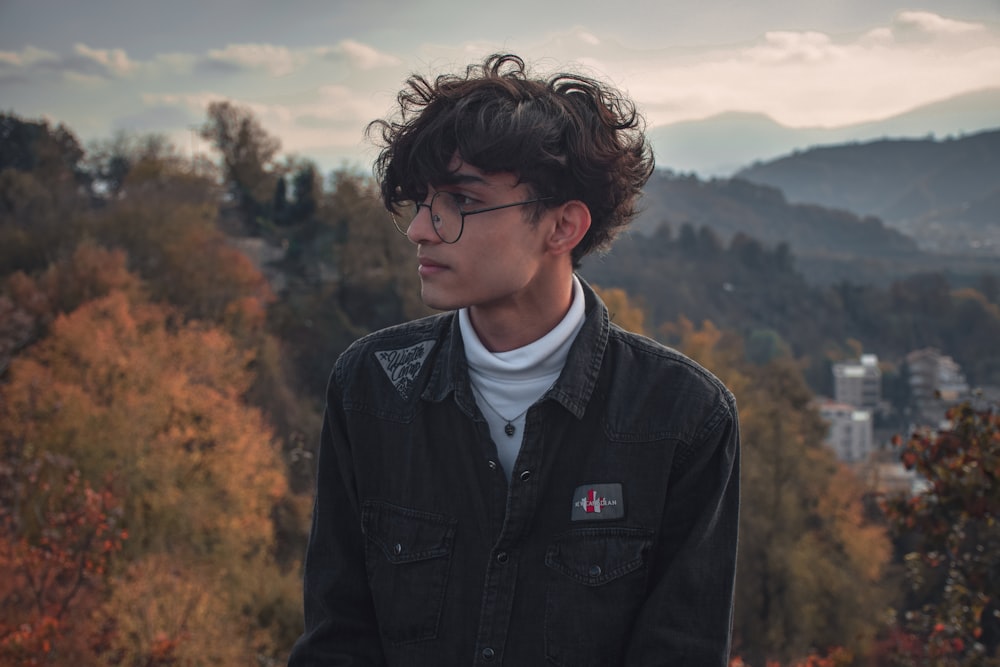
(571,225)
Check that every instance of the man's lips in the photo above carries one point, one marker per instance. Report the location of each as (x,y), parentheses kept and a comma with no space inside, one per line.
(429,266)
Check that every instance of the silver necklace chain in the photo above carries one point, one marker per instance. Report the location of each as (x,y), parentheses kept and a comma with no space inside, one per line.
(509,427)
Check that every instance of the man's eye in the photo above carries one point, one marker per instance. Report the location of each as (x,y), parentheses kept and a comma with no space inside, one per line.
(463,201)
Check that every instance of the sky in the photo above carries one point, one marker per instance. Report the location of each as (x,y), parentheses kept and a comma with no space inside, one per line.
(315,72)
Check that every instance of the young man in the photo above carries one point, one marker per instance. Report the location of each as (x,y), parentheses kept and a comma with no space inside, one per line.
(518,481)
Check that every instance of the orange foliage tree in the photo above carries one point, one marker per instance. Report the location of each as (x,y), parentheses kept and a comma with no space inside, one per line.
(57,538)
(127,387)
(166,221)
(623,311)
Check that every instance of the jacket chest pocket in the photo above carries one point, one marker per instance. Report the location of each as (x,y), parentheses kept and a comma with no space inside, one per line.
(407,554)
(596,584)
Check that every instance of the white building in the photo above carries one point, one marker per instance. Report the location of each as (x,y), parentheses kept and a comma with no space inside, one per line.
(858,383)
(851,433)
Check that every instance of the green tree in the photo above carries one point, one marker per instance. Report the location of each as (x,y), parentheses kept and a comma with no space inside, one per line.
(43,188)
(248,154)
(53,154)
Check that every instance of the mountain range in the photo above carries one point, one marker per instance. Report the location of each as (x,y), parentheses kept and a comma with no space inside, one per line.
(725,143)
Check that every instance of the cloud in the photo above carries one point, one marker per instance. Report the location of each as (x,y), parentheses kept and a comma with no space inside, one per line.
(277,60)
(784,47)
(281,61)
(28,57)
(809,78)
(17,66)
(114,61)
(364,56)
(930,23)
(82,64)
(318,99)
(85,63)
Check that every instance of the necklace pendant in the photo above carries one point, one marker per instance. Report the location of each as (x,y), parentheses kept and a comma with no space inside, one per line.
(509,430)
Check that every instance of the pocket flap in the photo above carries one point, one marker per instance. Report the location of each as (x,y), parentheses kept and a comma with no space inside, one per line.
(406,535)
(595,556)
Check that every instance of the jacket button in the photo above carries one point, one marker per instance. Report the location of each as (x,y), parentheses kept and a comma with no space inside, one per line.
(488,653)
(502,557)
(526,475)
(595,570)
(398,549)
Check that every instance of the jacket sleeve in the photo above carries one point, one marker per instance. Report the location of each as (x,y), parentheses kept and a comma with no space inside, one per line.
(340,625)
(687,617)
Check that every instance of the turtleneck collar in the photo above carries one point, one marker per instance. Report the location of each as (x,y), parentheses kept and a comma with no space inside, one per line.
(546,356)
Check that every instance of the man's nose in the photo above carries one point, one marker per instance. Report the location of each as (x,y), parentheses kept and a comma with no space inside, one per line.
(421,227)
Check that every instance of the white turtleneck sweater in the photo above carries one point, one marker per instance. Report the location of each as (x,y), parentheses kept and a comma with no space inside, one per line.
(506,384)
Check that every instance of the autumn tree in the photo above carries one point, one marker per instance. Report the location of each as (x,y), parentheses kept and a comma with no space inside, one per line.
(58,536)
(952,618)
(128,387)
(166,223)
(623,310)
(29,305)
(810,562)
(110,162)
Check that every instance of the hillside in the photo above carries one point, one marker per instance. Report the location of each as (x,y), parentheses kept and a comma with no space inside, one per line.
(945,194)
(730,206)
(761,292)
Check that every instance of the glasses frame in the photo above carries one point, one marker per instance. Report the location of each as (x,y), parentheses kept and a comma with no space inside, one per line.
(435,222)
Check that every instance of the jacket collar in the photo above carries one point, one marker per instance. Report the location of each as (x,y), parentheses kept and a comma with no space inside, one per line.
(572,390)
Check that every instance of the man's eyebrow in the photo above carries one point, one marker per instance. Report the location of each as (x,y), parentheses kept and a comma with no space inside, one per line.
(463,179)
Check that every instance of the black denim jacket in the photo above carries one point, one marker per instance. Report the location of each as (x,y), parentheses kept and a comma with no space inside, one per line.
(613,544)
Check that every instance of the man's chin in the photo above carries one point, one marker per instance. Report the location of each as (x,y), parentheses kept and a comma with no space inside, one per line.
(436,301)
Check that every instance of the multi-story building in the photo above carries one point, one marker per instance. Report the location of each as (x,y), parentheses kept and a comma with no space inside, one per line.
(851,432)
(935,375)
(936,382)
(858,383)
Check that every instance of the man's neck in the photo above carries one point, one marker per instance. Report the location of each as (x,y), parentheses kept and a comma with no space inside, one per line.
(507,326)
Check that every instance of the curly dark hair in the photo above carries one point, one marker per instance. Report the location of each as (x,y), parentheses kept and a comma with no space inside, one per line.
(568,137)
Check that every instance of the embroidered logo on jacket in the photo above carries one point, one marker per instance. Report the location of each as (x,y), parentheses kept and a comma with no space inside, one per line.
(403,365)
(595,502)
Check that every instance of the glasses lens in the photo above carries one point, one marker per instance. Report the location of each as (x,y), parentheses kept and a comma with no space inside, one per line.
(446,216)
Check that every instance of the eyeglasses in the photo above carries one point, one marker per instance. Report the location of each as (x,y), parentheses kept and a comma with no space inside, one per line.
(447,216)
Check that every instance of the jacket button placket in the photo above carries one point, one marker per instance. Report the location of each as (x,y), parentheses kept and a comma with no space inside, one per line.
(501,570)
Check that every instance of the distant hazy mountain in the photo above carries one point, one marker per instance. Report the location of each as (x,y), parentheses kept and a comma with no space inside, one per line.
(722,144)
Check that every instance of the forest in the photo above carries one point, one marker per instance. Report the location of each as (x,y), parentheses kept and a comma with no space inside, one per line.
(167,326)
